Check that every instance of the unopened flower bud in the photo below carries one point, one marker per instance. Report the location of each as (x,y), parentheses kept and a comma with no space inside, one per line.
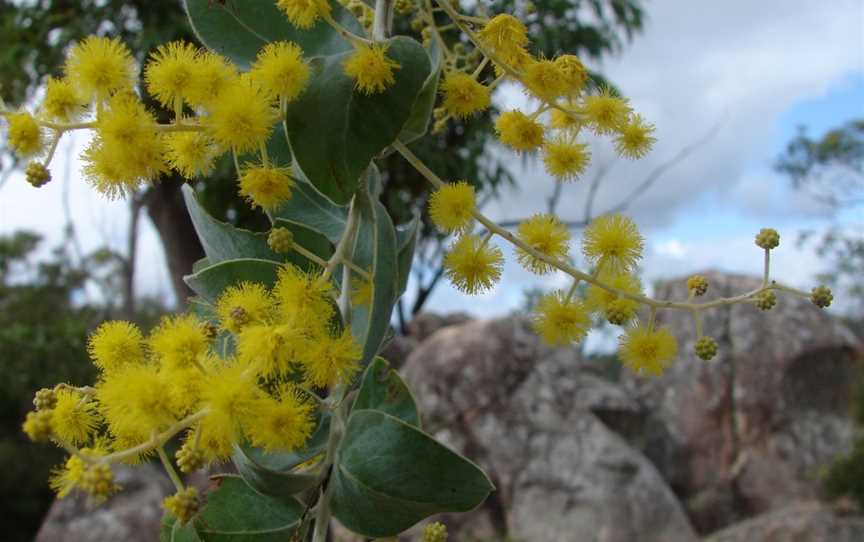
(821,296)
(98,480)
(183,505)
(619,311)
(698,285)
(189,459)
(37,174)
(38,425)
(766,300)
(435,532)
(45,399)
(281,240)
(706,348)
(768,238)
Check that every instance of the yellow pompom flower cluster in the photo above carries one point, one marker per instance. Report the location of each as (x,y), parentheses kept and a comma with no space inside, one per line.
(463,96)
(452,207)
(548,236)
(472,265)
(216,110)
(179,378)
(371,69)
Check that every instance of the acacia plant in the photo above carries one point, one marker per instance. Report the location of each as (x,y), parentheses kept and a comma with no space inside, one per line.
(275,365)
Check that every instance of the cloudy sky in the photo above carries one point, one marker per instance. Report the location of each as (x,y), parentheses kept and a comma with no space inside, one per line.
(752,70)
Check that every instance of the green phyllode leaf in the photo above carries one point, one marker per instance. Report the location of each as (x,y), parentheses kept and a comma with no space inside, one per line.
(239,28)
(211,281)
(335,131)
(418,122)
(236,513)
(271,474)
(383,389)
(375,250)
(390,475)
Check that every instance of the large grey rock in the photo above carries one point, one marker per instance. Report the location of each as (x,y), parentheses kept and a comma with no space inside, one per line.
(530,415)
(802,522)
(749,431)
(132,515)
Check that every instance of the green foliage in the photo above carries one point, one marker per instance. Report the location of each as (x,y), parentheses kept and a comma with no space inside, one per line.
(390,475)
(236,513)
(42,342)
(831,169)
(335,131)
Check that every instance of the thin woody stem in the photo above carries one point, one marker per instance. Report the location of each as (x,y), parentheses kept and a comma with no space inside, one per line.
(572,271)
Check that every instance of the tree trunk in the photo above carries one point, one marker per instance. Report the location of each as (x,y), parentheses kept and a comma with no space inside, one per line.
(168,213)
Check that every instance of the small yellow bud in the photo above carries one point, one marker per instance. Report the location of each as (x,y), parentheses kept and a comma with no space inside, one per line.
(189,458)
(183,505)
(697,285)
(619,311)
(435,532)
(821,296)
(37,174)
(45,399)
(281,240)
(768,238)
(706,348)
(98,480)
(766,300)
(38,425)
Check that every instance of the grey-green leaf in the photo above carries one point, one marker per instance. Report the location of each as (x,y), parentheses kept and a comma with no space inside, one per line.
(236,513)
(239,28)
(406,240)
(375,250)
(271,473)
(390,475)
(383,389)
(222,241)
(335,131)
(211,281)
(418,122)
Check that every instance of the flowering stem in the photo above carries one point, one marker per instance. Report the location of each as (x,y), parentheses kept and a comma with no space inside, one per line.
(169,468)
(767,267)
(344,242)
(157,439)
(572,271)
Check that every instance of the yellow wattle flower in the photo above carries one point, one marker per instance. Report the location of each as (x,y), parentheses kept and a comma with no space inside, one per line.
(548,236)
(212,74)
(115,344)
(281,424)
(519,131)
(634,139)
(304,13)
(371,69)
(452,206)
(463,96)
(24,135)
(605,112)
(191,154)
(330,360)
(242,118)
(100,67)
(560,321)
(545,79)
(565,160)
(281,70)
(612,243)
(244,304)
(179,341)
(472,265)
(267,187)
(63,101)
(646,350)
(170,72)
(74,417)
